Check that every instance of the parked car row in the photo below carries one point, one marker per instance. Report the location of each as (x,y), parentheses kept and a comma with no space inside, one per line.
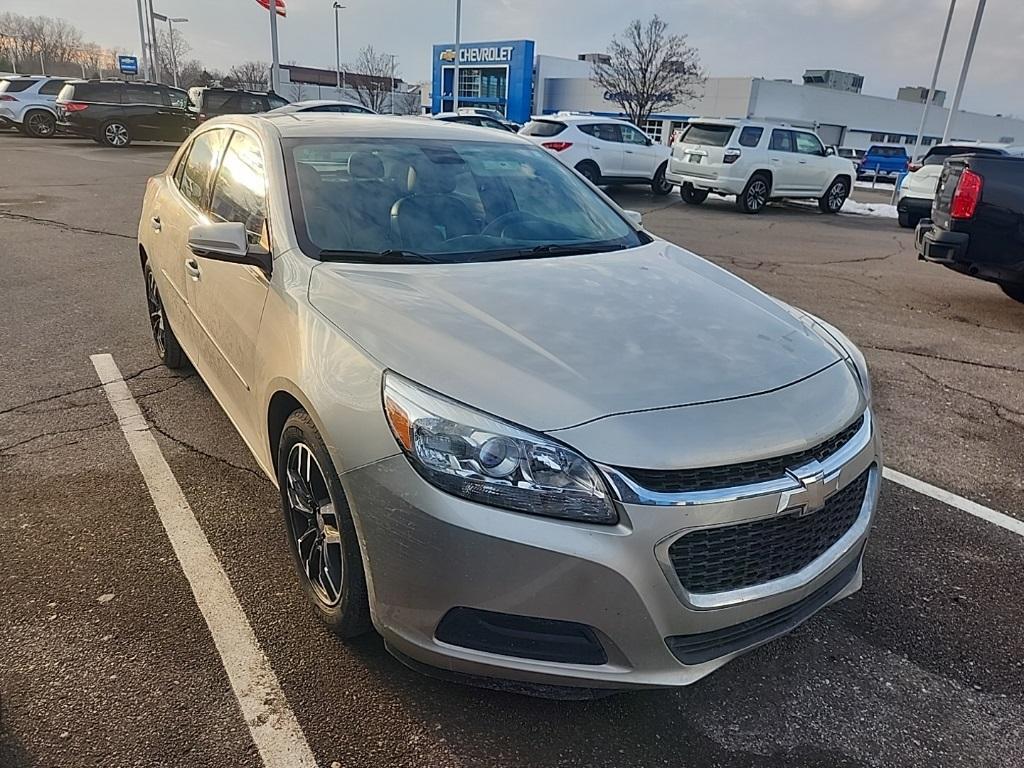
(118,112)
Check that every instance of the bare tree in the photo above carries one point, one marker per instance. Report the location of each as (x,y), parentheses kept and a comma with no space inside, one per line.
(409,102)
(32,42)
(648,69)
(168,54)
(372,79)
(251,75)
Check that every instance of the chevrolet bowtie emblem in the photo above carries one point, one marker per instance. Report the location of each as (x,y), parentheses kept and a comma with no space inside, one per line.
(814,491)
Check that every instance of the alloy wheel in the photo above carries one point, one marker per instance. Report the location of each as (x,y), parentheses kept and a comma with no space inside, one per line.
(40,124)
(116,134)
(156,313)
(836,196)
(757,195)
(314,524)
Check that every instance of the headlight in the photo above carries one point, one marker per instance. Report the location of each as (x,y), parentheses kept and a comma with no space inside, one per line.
(853,355)
(478,457)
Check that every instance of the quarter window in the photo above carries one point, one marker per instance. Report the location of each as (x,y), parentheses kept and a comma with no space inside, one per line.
(751,136)
(240,192)
(782,141)
(51,87)
(200,165)
(808,144)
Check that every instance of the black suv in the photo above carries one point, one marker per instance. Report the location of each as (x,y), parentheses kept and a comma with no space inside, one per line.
(211,102)
(115,113)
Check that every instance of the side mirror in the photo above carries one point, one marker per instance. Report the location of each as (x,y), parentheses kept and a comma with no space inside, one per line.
(635,218)
(829,151)
(228,241)
(649,142)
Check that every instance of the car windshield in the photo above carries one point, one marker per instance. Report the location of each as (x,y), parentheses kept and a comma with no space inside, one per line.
(386,200)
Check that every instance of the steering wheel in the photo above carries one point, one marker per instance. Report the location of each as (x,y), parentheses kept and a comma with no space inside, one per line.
(497,227)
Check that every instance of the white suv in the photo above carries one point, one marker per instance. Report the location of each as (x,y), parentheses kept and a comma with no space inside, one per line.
(603,149)
(28,104)
(758,162)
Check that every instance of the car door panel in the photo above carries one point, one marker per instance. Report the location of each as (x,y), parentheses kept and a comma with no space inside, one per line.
(783,162)
(230,297)
(605,143)
(813,165)
(637,157)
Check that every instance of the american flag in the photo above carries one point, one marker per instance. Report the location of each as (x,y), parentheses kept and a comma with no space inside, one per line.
(281,11)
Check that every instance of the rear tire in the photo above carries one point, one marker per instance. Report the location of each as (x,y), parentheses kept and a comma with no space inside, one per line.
(907,220)
(690,194)
(39,124)
(835,196)
(115,134)
(320,531)
(167,346)
(590,171)
(755,195)
(1014,290)
(660,185)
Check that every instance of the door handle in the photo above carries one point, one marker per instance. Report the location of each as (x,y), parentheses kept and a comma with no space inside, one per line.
(192,268)
(802,162)
(628,151)
(156,223)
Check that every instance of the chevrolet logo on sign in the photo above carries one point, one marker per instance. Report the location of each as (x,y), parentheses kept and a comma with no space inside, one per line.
(448,55)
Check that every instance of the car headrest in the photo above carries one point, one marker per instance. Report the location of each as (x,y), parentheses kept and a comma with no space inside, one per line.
(432,178)
(365,165)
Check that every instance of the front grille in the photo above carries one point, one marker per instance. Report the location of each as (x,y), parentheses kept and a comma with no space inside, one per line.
(745,554)
(731,475)
(696,649)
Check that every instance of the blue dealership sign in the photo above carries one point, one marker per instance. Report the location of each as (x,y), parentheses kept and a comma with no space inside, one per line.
(129,65)
(502,77)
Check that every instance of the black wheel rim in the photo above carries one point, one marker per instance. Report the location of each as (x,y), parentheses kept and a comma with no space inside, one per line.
(40,125)
(314,524)
(662,184)
(156,313)
(757,195)
(837,196)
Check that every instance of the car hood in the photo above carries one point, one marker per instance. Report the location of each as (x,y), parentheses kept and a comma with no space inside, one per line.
(555,342)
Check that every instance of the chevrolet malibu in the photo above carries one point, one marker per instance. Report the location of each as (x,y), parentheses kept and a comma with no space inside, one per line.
(513,432)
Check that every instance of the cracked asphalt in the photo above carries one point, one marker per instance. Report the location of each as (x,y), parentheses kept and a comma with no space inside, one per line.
(105,659)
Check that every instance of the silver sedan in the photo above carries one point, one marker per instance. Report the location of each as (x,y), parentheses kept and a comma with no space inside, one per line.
(513,432)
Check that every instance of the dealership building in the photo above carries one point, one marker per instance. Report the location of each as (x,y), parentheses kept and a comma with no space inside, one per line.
(511,77)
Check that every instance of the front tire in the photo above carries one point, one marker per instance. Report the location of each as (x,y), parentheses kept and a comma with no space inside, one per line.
(39,124)
(1014,290)
(167,346)
(115,134)
(660,185)
(835,196)
(755,195)
(692,195)
(321,534)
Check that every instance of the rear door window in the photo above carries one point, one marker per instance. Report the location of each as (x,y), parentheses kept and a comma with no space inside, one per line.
(543,128)
(782,141)
(631,135)
(51,87)
(144,94)
(200,165)
(707,134)
(215,101)
(750,136)
(175,98)
(98,93)
(603,131)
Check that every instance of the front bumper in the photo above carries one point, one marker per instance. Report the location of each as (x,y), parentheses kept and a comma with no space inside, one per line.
(426,553)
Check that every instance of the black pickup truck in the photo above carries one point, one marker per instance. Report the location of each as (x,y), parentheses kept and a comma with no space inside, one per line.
(977,223)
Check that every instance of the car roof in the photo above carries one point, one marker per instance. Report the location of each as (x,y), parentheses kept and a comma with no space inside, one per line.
(318,124)
(570,118)
(322,103)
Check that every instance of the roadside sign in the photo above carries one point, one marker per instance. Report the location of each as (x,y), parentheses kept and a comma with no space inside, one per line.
(129,65)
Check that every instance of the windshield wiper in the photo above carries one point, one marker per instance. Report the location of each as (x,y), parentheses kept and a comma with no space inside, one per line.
(558,249)
(390,256)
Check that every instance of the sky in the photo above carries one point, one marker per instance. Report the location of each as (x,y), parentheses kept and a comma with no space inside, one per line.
(890,42)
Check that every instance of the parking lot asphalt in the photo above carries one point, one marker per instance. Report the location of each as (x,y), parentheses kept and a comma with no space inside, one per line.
(105,659)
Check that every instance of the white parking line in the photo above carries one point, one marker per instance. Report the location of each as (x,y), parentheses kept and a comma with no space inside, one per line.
(271,722)
(959,502)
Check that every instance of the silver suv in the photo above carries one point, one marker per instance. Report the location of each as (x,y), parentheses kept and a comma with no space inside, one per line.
(27,103)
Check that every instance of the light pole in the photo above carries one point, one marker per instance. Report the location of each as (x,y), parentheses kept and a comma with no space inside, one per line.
(337,45)
(170,41)
(142,40)
(935,78)
(392,83)
(458,54)
(963,72)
